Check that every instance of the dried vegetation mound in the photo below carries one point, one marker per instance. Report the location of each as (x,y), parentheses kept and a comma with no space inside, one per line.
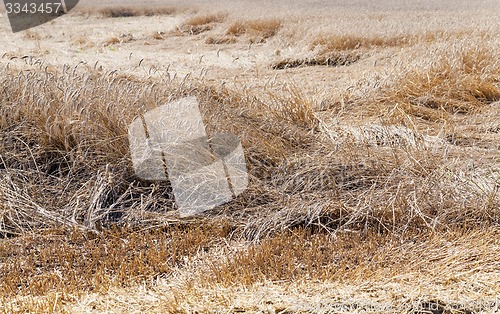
(201,23)
(331,60)
(342,42)
(130,11)
(258,30)
(65,162)
(352,42)
(458,81)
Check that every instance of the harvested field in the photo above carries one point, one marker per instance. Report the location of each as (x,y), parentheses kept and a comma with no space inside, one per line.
(371,140)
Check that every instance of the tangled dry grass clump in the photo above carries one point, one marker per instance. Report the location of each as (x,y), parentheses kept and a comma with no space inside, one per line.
(70,141)
(346,42)
(341,42)
(129,11)
(462,80)
(331,60)
(219,40)
(201,23)
(258,30)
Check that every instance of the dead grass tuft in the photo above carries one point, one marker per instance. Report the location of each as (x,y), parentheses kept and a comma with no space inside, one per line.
(83,42)
(159,11)
(30,34)
(55,145)
(329,42)
(457,82)
(331,60)
(127,11)
(120,12)
(350,42)
(258,30)
(112,41)
(201,23)
(122,39)
(219,40)
(158,35)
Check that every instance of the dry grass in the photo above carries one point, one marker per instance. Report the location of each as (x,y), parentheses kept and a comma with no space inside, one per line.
(159,35)
(127,11)
(340,42)
(258,30)
(347,42)
(335,43)
(57,145)
(388,192)
(331,60)
(112,41)
(362,270)
(123,38)
(120,12)
(80,154)
(219,40)
(83,42)
(201,23)
(49,148)
(33,35)
(459,81)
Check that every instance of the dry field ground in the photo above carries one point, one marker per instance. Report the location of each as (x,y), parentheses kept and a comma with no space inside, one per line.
(372,140)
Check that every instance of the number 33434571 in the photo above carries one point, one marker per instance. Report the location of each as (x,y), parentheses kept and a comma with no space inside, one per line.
(33,8)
